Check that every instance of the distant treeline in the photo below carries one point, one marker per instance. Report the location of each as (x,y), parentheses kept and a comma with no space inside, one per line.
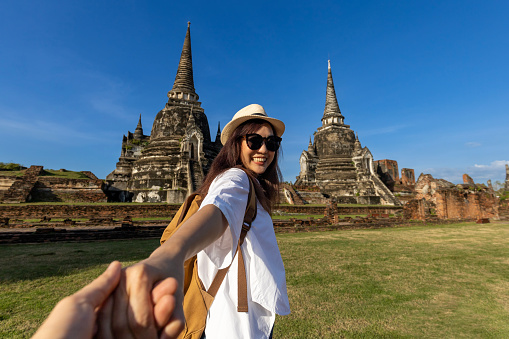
(10,166)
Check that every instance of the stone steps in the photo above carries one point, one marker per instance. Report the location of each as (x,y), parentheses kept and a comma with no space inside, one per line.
(20,189)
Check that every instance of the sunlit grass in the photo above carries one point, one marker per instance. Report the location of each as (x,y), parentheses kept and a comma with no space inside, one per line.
(446,281)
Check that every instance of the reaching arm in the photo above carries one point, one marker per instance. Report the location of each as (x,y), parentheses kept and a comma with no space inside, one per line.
(134,313)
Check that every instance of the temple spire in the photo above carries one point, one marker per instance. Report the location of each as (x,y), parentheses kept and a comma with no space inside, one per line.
(311,148)
(183,87)
(138,132)
(331,113)
(218,134)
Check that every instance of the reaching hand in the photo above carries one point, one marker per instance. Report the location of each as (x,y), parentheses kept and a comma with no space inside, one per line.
(74,316)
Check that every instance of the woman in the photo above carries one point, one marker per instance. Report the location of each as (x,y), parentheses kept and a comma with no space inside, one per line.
(251,141)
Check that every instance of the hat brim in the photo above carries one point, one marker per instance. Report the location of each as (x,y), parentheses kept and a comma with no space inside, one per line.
(279,126)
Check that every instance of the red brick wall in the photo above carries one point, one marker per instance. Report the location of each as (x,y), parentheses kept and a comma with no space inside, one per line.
(390,167)
(87,211)
(51,189)
(407,176)
(148,210)
(454,204)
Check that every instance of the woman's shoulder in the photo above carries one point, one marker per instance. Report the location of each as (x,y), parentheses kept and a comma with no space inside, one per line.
(234,176)
(234,173)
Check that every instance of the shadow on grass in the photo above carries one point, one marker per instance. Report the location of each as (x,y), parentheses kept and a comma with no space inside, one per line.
(32,261)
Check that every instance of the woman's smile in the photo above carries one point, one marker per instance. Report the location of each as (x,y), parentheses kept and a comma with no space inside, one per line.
(258,160)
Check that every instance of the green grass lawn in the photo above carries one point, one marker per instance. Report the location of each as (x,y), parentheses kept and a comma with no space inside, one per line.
(447,281)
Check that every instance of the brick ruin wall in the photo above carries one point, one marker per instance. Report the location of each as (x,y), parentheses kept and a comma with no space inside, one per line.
(467,179)
(51,189)
(503,210)
(87,211)
(416,209)
(152,210)
(390,167)
(407,176)
(454,204)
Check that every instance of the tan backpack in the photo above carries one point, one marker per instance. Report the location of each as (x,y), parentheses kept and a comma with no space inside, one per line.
(197,300)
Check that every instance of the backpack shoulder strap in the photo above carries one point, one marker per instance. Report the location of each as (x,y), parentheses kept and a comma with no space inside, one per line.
(249,217)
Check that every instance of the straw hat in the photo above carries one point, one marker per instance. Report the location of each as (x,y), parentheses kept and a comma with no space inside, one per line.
(251,112)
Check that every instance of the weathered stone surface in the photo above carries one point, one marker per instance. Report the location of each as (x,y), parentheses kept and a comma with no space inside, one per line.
(467,179)
(463,202)
(426,187)
(36,187)
(407,176)
(337,163)
(390,167)
(506,177)
(21,188)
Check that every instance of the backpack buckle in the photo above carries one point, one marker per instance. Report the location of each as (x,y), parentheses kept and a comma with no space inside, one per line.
(246,226)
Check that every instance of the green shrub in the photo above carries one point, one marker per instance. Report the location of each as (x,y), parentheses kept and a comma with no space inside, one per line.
(10,166)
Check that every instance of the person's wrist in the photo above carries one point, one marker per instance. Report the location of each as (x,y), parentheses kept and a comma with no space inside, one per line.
(166,259)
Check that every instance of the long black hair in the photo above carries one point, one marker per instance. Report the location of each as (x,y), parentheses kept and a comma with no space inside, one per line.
(268,190)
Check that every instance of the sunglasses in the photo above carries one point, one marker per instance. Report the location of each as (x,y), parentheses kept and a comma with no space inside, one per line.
(255,142)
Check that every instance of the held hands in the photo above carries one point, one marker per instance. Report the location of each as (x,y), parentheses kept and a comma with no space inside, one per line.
(145,304)
(149,311)
(74,316)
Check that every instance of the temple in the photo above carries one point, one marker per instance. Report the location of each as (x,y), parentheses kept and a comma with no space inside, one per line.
(172,162)
(336,162)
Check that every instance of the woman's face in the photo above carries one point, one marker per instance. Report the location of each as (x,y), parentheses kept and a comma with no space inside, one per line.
(257,160)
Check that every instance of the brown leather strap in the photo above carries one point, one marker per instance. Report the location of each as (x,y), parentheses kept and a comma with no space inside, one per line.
(249,216)
(242,284)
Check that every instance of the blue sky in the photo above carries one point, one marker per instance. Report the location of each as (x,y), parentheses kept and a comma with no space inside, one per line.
(421,82)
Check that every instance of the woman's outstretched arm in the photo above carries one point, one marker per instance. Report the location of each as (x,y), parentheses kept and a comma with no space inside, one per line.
(135,312)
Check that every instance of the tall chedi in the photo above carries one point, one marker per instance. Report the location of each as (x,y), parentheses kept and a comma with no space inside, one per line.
(336,161)
(179,151)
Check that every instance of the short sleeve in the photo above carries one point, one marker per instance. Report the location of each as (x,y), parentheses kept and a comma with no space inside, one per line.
(229,192)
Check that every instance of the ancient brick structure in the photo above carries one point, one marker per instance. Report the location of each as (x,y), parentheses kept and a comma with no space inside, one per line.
(468,180)
(503,209)
(337,163)
(69,190)
(35,185)
(173,161)
(418,209)
(426,187)
(20,190)
(407,176)
(290,195)
(464,201)
(388,166)
(331,212)
(506,177)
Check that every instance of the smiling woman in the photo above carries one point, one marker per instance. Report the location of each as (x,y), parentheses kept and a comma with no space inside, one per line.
(251,143)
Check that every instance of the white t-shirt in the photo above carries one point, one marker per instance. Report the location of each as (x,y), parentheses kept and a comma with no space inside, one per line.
(265,273)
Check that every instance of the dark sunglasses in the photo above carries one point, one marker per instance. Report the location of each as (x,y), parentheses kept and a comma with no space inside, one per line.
(255,142)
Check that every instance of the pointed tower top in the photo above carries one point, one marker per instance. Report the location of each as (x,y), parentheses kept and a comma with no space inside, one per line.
(218,134)
(311,148)
(183,87)
(331,113)
(138,132)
